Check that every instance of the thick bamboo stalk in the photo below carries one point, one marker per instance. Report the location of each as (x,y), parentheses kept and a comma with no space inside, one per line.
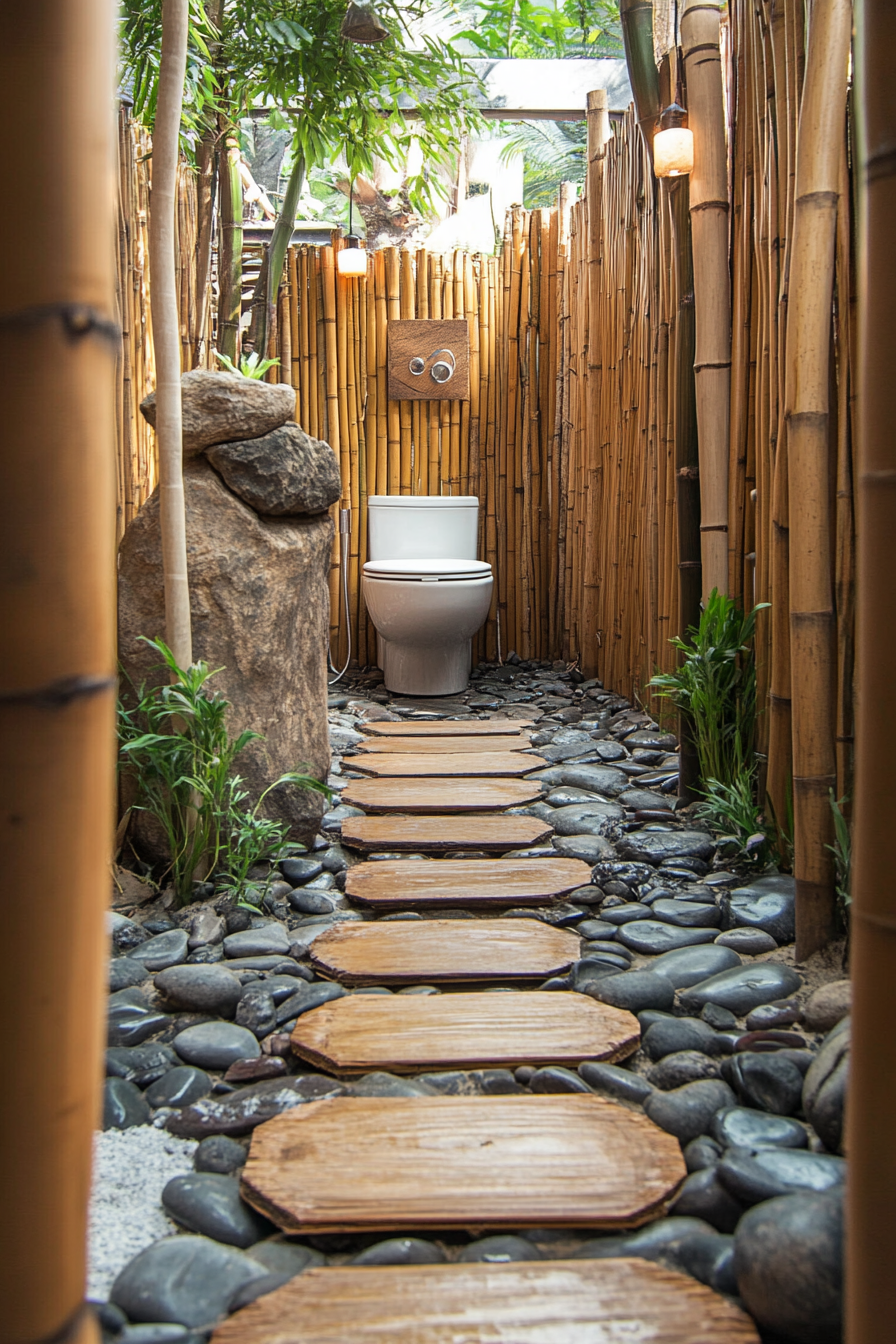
(708,188)
(230,252)
(809,334)
(164,315)
(57,665)
(871,1190)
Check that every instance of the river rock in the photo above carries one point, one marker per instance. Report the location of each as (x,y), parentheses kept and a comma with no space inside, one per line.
(285,1257)
(401,1251)
(140,1064)
(615,870)
(180,1086)
(765,1082)
(124,973)
(265,941)
(215,1045)
(209,1204)
(132,1023)
(767,904)
(553,1078)
(749,942)
(673,1034)
(590,848)
(688,1111)
(219,1154)
(704,1196)
(260,603)
(189,1280)
(124,1105)
(654,1242)
(827,1006)
(640,800)
(201,989)
(744,988)
(701,1153)
(300,870)
(688,966)
(651,936)
(499,1250)
(682,1066)
(280,474)
(687,914)
(597,778)
(222,407)
(707,1257)
(241,1111)
(612,1081)
(788,1261)
(755,1174)
(256,1011)
(634,991)
(824,1087)
(581,818)
(741,1127)
(308,997)
(626,913)
(165,949)
(654,846)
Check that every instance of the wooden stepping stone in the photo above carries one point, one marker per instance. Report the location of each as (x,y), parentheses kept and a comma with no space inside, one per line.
(440,795)
(450,764)
(368,1164)
(408,1033)
(441,728)
(551,1302)
(437,746)
(425,951)
(443,834)
(406,883)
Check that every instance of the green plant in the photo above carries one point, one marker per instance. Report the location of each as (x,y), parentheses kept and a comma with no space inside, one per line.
(842,852)
(177,743)
(732,809)
(251,366)
(716,686)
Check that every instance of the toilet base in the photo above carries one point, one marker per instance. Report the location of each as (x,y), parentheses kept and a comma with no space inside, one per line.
(428,669)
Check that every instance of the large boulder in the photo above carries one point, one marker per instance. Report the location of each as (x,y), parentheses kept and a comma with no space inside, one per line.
(258,589)
(223,407)
(283,473)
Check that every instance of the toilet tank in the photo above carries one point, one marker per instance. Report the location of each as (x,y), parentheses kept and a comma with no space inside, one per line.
(423,527)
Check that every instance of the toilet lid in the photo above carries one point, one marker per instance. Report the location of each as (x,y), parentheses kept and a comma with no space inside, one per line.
(427,571)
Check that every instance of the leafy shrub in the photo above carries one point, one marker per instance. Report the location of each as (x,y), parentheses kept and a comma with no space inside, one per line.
(251,366)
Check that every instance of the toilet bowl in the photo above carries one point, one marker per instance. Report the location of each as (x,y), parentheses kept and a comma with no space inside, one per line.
(425,591)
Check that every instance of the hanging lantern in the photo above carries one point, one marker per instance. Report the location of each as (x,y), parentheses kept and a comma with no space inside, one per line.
(363,24)
(673,144)
(351,260)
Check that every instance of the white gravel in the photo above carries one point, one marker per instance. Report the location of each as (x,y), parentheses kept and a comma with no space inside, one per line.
(131,1167)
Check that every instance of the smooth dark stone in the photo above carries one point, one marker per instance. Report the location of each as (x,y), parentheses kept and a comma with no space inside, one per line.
(688,864)
(687,914)
(825,1087)
(200,989)
(651,737)
(653,1242)
(722,1019)
(124,1105)
(771,1015)
(382,1084)
(771,1042)
(220,1155)
(648,1016)
(332,821)
(588,848)
(619,871)
(683,1066)
(179,1087)
(687,1111)
(764,1082)
(596,952)
(140,1064)
(654,846)
(285,1257)
(554,1078)
(701,1152)
(269,940)
(755,1174)
(401,1251)
(709,1258)
(311,902)
(256,1010)
(626,914)
(206,955)
(299,870)
(595,818)
(565,796)
(641,800)
(680,1033)
(499,1250)
(744,988)
(210,1205)
(157,1333)
(125,972)
(749,942)
(597,778)
(704,1196)
(188,1280)
(307,997)
(634,990)
(596,929)
(457,1083)
(651,937)
(495,1082)
(767,904)
(132,1023)
(740,1127)
(251,1292)
(788,1260)
(215,1045)
(612,1081)
(254,1070)
(165,949)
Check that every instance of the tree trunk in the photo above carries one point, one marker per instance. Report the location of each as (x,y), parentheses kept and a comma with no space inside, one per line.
(871,1189)
(268,285)
(58,344)
(712,284)
(230,252)
(807,409)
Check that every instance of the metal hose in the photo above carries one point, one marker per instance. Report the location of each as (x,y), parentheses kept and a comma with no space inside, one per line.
(345,531)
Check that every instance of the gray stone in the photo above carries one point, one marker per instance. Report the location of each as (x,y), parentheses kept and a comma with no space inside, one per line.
(654,846)
(125,973)
(241,1111)
(311,902)
(281,474)
(625,914)
(690,965)
(788,1260)
(157,1333)
(401,1251)
(612,1081)
(687,1111)
(499,1250)
(749,942)
(180,1086)
(707,1257)
(566,796)
(704,1196)
(285,1257)
(721,1019)
(744,988)
(825,1086)
(299,869)
(653,1242)
(140,1064)
(617,870)
(596,778)
(554,1078)
(206,928)
(220,1155)
(680,1033)
(768,903)
(201,989)
(187,1280)
(308,997)
(827,1006)
(741,1127)
(651,937)
(634,990)
(651,737)
(765,1082)
(331,823)
(216,1045)
(566,748)
(687,914)
(124,1105)
(132,1023)
(597,929)
(586,818)
(256,1010)
(166,949)
(701,1153)
(682,1066)
(755,1174)
(268,940)
(645,800)
(221,407)
(590,848)
(211,1205)
(381,1084)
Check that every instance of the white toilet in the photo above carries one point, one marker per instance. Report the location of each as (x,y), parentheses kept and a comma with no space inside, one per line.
(425,591)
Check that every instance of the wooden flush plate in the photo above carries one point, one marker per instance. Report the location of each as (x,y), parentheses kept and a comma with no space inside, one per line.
(421,338)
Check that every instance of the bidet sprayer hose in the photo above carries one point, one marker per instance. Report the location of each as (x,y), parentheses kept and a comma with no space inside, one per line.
(345,530)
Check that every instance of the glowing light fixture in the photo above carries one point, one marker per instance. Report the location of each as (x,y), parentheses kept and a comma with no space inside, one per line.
(351,260)
(673,144)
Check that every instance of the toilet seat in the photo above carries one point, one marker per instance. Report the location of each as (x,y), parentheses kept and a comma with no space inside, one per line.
(427,571)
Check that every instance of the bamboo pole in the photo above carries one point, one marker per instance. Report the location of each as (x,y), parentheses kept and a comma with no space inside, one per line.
(230,251)
(708,188)
(871,1184)
(57,666)
(163,311)
(813,631)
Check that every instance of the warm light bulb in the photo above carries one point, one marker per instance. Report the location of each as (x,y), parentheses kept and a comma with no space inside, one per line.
(351,260)
(673,152)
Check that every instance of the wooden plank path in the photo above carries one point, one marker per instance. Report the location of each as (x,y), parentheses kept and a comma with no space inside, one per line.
(406,884)
(432,950)
(548,1302)
(444,834)
(501,764)
(447,728)
(440,795)
(365,1164)
(438,746)
(407,1033)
